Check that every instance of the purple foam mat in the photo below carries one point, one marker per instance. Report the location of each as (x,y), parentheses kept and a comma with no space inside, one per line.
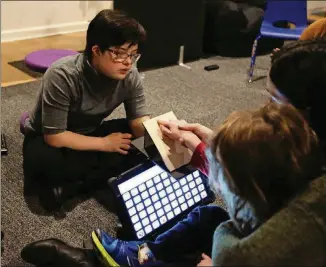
(41,60)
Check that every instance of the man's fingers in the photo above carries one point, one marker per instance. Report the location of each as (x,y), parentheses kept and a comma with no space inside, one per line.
(123,152)
(126,135)
(125,147)
(125,141)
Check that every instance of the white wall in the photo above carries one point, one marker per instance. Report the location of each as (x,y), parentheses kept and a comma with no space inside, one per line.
(31,19)
(316,4)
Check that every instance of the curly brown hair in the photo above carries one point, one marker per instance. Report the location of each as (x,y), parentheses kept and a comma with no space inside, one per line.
(267,155)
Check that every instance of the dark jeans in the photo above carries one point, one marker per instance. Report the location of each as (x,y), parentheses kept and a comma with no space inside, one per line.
(191,236)
(52,167)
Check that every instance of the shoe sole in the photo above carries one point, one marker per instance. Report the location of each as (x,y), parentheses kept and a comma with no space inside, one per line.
(106,258)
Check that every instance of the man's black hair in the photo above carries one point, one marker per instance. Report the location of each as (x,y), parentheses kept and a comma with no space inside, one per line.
(113,28)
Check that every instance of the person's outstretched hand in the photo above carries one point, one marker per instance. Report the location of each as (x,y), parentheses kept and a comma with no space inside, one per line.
(201,131)
(171,129)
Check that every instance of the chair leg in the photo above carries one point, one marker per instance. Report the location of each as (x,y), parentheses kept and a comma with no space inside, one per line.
(253,58)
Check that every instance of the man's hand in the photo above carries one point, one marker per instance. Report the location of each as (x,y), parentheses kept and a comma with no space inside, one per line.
(206,261)
(201,131)
(116,142)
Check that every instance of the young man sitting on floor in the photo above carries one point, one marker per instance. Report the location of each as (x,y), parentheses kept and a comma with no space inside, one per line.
(65,135)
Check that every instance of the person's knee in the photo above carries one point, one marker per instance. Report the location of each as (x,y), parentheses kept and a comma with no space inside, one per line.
(38,156)
(213,213)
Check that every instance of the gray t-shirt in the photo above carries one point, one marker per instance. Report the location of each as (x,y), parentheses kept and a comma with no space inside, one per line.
(74,97)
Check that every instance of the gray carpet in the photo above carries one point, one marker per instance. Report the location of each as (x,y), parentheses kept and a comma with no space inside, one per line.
(194,95)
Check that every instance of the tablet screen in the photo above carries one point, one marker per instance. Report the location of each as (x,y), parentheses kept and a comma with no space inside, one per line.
(153,197)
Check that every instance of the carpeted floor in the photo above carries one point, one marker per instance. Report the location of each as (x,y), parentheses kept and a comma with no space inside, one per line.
(194,95)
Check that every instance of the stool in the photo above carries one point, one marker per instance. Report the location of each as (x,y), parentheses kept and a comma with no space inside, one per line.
(41,60)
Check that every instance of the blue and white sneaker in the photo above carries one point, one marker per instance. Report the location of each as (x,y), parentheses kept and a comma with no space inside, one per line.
(115,252)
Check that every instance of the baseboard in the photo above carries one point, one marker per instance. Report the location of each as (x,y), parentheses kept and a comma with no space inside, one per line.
(7,84)
(37,32)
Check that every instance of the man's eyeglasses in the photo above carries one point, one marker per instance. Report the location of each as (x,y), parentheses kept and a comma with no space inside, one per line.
(121,57)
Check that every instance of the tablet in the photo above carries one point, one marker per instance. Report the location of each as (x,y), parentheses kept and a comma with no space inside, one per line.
(152,200)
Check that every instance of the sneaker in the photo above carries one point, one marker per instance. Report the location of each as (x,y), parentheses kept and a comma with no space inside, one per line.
(126,253)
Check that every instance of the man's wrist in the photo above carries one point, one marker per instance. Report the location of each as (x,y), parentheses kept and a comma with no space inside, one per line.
(99,143)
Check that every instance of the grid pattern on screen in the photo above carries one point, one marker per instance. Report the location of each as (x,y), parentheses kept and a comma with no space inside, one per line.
(161,198)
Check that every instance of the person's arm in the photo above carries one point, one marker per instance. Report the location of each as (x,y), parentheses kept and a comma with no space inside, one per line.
(198,159)
(115,142)
(204,133)
(74,141)
(135,105)
(137,127)
(225,236)
(282,241)
(56,99)
(224,240)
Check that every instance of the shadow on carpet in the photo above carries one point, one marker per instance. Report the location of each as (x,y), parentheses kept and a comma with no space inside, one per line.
(20,65)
